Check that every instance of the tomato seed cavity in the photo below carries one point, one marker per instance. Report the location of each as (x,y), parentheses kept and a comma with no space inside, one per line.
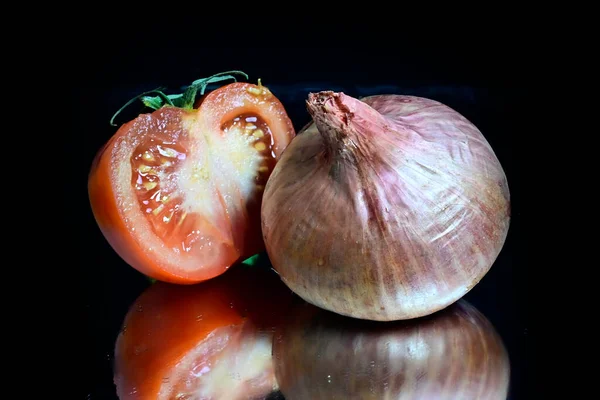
(152,162)
(262,141)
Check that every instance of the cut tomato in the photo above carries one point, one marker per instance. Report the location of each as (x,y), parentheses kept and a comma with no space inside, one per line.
(177,192)
(211,340)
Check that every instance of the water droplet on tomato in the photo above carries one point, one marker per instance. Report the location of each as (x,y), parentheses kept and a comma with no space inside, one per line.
(199,317)
(200,370)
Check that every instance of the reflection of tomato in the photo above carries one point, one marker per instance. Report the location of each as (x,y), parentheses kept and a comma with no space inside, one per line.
(211,340)
(177,192)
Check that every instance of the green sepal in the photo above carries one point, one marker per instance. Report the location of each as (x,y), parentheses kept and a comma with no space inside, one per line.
(183,100)
(259,259)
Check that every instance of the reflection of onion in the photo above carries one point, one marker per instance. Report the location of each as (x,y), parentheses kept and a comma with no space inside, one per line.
(453,354)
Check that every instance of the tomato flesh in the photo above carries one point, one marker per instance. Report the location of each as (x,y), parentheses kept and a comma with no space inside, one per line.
(177,192)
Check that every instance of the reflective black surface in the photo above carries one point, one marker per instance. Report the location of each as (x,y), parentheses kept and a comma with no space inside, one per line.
(110,286)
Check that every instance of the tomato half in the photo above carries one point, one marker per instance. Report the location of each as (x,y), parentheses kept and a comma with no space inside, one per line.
(177,192)
(211,340)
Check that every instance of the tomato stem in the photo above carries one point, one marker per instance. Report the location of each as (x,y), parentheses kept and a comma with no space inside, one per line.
(189,96)
(182,100)
(157,91)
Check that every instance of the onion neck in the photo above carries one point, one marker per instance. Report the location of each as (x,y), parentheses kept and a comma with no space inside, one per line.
(346,124)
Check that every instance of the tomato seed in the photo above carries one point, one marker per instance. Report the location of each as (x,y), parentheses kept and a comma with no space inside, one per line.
(258,133)
(158,209)
(181,218)
(167,152)
(149,185)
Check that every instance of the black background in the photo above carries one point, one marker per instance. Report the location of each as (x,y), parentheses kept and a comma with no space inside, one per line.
(486,87)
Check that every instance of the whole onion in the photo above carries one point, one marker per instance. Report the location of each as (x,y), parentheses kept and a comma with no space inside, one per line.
(386,208)
(453,354)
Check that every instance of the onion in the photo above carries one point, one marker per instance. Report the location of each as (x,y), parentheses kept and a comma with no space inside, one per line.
(453,354)
(388,208)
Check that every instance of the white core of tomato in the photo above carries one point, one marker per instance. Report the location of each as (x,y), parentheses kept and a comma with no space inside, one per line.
(235,365)
(227,164)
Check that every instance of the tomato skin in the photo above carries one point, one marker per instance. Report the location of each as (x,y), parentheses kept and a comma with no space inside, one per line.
(215,108)
(108,217)
(168,321)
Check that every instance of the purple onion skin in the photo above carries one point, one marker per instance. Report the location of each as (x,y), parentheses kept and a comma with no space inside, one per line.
(386,208)
(453,354)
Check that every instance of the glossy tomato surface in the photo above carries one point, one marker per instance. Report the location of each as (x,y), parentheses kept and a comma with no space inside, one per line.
(177,192)
(210,340)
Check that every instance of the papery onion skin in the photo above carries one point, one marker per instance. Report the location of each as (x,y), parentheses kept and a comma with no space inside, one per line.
(386,208)
(453,354)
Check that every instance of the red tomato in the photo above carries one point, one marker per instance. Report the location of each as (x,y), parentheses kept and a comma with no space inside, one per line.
(211,340)
(177,192)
